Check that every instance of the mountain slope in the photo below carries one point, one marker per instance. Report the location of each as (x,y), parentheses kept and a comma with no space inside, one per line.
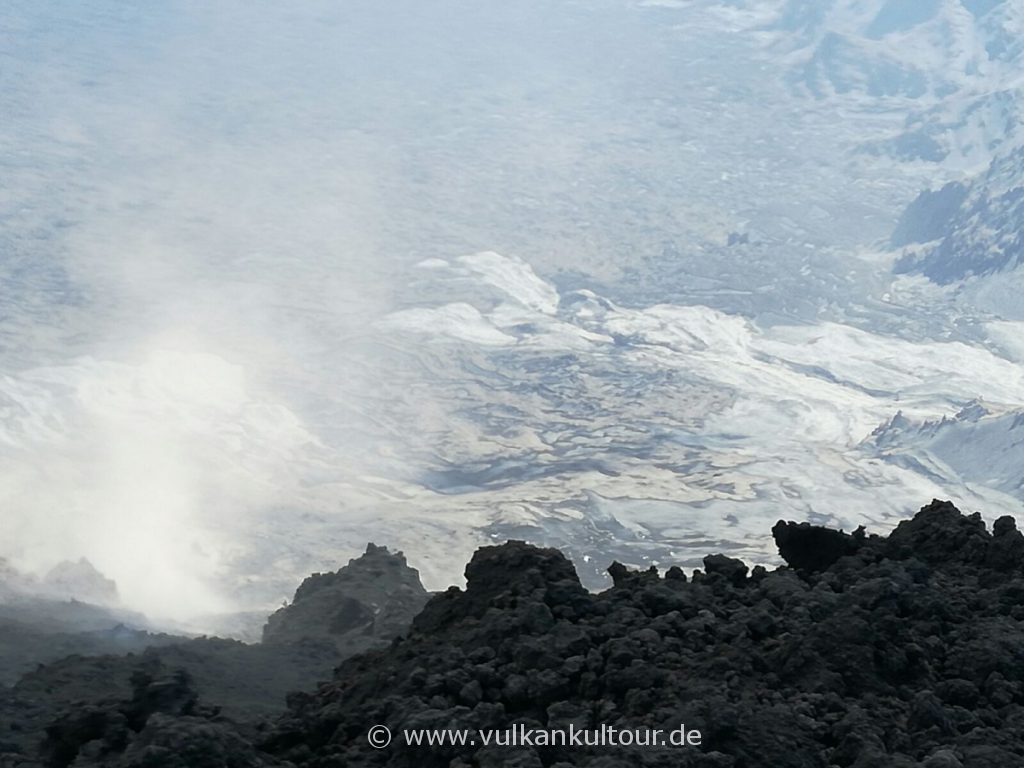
(363,605)
(967,231)
(976,447)
(949,70)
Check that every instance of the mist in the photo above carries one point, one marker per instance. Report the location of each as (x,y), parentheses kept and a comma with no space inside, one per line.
(246,330)
(207,208)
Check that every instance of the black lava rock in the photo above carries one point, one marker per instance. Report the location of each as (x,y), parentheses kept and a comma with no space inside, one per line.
(812,547)
(902,652)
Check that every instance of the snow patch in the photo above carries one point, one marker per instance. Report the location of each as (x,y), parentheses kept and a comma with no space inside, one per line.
(516,278)
(456,321)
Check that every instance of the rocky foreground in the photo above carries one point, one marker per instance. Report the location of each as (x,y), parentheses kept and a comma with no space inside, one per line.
(903,651)
(113,680)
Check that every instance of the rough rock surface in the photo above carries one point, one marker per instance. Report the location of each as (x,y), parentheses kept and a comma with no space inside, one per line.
(809,547)
(364,604)
(239,685)
(966,230)
(899,651)
(904,651)
(160,723)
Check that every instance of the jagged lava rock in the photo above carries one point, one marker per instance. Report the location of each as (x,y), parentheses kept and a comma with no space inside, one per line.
(873,652)
(160,725)
(504,576)
(731,568)
(813,547)
(84,698)
(366,603)
(940,534)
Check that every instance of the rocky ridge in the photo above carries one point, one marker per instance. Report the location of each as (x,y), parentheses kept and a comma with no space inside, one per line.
(865,651)
(366,603)
(966,230)
(91,707)
(903,651)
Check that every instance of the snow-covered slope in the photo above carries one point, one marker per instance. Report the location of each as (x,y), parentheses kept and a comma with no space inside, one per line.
(646,431)
(221,367)
(949,70)
(949,74)
(967,230)
(975,446)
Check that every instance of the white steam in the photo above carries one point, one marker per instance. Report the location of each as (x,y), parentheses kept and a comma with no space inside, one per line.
(142,467)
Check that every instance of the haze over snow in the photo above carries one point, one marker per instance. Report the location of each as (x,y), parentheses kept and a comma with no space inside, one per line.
(278,280)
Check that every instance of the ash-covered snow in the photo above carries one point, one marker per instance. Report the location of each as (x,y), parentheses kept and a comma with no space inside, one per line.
(278,281)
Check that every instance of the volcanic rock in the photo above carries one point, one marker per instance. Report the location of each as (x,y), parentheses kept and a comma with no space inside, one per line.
(364,604)
(904,651)
(865,651)
(812,547)
(88,706)
(161,725)
(730,568)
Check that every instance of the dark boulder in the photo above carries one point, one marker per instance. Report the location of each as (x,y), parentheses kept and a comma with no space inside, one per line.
(733,570)
(809,547)
(362,605)
(939,534)
(503,577)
